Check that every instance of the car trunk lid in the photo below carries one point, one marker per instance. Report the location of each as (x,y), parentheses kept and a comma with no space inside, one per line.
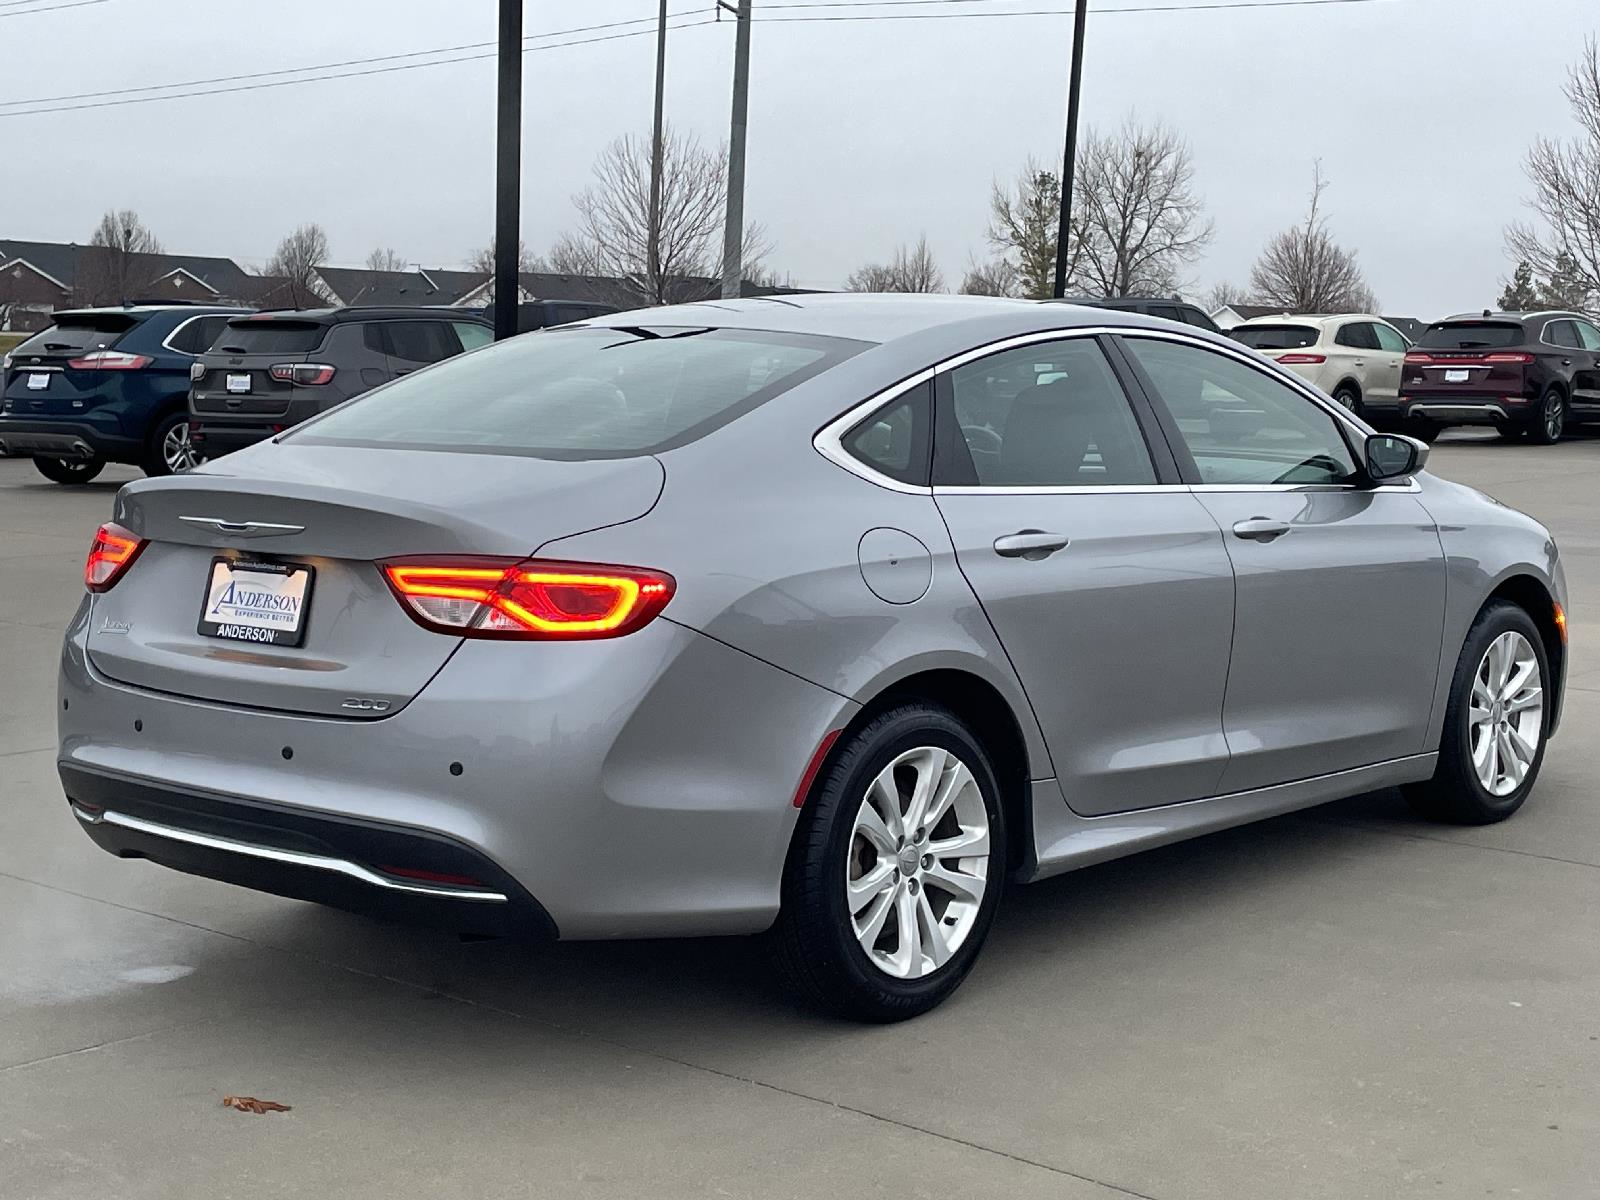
(337,511)
(41,379)
(234,378)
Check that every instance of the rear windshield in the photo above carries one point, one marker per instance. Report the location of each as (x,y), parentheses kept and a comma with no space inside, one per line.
(1472,335)
(1277,337)
(269,337)
(583,393)
(78,335)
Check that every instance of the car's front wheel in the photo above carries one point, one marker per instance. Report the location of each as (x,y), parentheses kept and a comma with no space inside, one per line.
(69,470)
(1494,725)
(895,870)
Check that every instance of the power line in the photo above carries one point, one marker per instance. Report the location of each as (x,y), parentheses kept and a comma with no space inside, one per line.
(28,12)
(1215,5)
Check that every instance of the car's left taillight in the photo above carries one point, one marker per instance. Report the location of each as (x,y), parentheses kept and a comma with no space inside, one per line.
(110,556)
(1302,360)
(110,360)
(530,599)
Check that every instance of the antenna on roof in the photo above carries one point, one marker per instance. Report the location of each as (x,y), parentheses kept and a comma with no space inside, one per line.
(1487,313)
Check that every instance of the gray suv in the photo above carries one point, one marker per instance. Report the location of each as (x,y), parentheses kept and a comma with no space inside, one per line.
(273,370)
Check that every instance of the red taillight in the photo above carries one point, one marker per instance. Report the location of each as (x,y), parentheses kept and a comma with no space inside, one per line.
(112,554)
(1302,360)
(110,360)
(304,374)
(527,599)
(1520,358)
(1417,358)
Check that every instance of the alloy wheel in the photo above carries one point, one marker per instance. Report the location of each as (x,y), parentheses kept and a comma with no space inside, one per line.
(919,861)
(1506,714)
(1554,418)
(177,448)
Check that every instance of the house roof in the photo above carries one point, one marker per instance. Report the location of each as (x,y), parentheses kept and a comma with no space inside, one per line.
(60,260)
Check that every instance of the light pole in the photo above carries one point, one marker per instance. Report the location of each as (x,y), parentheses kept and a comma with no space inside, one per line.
(733,224)
(653,238)
(1069,161)
(508,171)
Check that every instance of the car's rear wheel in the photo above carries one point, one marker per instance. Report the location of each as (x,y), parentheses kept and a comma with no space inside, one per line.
(896,869)
(1550,422)
(69,470)
(1509,432)
(170,448)
(1495,723)
(1348,397)
(1424,430)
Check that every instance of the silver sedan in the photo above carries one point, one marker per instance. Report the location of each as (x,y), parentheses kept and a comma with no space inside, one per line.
(819,617)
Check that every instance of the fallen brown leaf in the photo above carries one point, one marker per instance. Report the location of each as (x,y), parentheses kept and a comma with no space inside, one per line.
(250,1104)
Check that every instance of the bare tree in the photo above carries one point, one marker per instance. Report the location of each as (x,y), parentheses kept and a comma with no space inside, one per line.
(997,277)
(482,260)
(911,269)
(295,264)
(1566,192)
(386,258)
(1136,217)
(1305,271)
(121,260)
(573,256)
(1224,294)
(614,211)
(1023,225)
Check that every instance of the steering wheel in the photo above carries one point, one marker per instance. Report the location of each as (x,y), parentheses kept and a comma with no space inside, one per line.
(981,438)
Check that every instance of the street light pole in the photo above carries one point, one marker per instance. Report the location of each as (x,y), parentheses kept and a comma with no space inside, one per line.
(733,224)
(1069,160)
(508,171)
(653,246)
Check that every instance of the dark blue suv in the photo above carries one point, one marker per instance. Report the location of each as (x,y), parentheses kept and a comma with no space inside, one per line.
(107,385)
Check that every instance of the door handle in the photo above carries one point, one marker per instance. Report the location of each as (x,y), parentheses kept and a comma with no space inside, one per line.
(1260,529)
(1031,544)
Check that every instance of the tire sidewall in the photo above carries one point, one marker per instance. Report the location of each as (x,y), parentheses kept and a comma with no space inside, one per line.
(65,472)
(836,804)
(1498,619)
(155,460)
(1538,429)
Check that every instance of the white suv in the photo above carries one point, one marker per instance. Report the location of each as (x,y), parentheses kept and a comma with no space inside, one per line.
(1355,358)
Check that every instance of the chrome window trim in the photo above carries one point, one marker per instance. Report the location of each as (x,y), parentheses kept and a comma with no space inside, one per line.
(1108,489)
(829,440)
(1544,335)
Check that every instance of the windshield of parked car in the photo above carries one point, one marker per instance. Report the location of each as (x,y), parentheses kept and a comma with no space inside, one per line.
(583,393)
(1472,335)
(77,335)
(1277,337)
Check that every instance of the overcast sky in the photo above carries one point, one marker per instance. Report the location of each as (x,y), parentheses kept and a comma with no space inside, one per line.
(862,133)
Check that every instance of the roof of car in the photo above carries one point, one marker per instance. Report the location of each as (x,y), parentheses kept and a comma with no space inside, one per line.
(1310,319)
(339,316)
(1533,315)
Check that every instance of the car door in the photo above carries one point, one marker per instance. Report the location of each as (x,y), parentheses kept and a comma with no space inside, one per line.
(1586,381)
(1105,580)
(1340,586)
(1355,345)
(1383,386)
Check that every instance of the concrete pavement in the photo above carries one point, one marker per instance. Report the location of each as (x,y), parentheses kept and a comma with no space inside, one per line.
(1344,1003)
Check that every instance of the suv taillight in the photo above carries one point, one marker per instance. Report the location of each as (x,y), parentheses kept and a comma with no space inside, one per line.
(197,372)
(110,360)
(110,556)
(1520,358)
(1302,360)
(303,374)
(527,599)
(1417,357)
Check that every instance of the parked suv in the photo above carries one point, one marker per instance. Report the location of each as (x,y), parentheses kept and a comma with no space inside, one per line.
(273,370)
(1355,358)
(1523,373)
(107,385)
(544,314)
(1169,307)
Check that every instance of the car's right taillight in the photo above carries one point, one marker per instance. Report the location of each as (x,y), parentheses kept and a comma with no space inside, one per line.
(1302,360)
(1517,358)
(110,556)
(528,599)
(302,374)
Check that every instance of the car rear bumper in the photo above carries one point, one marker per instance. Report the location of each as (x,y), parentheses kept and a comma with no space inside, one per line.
(63,439)
(213,439)
(1464,410)
(635,787)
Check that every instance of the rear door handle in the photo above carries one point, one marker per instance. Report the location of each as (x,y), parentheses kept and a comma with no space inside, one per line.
(1260,529)
(1032,544)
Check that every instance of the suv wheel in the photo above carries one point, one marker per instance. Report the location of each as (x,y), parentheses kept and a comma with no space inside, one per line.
(896,869)
(1346,395)
(1424,430)
(70,470)
(1494,725)
(169,449)
(1551,421)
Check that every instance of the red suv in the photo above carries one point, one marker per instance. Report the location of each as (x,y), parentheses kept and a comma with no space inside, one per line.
(1523,373)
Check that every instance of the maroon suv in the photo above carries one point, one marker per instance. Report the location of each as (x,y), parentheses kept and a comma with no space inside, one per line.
(1523,373)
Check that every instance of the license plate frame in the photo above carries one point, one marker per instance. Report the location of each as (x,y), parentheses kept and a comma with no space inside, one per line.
(259,623)
(238,385)
(38,381)
(1457,376)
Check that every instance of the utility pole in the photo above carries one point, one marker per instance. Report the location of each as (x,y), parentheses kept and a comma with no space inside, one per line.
(508,172)
(653,247)
(733,225)
(1069,162)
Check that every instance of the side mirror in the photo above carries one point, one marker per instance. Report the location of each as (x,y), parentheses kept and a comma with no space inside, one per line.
(1392,457)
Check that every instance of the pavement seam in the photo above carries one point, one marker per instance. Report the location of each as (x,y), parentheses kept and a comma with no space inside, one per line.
(132,1037)
(25,750)
(1441,841)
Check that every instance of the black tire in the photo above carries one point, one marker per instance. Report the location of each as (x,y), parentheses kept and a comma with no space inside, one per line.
(1509,432)
(814,943)
(1345,394)
(1550,422)
(154,460)
(1455,794)
(1424,430)
(70,470)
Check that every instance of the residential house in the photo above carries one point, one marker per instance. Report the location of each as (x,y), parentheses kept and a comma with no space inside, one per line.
(1230,315)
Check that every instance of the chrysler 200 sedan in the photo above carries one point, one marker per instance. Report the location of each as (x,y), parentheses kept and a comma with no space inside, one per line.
(822,617)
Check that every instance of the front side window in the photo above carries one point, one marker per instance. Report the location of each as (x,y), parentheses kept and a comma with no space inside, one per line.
(472,334)
(1390,339)
(1048,415)
(583,393)
(1240,424)
(1589,335)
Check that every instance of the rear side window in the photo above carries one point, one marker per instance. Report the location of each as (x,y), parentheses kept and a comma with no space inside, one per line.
(1564,334)
(1277,337)
(78,335)
(422,341)
(897,439)
(1358,335)
(196,335)
(584,393)
(252,336)
(1472,335)
(1197,318)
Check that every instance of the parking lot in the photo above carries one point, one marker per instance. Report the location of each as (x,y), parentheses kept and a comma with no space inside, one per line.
(1343,1003)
